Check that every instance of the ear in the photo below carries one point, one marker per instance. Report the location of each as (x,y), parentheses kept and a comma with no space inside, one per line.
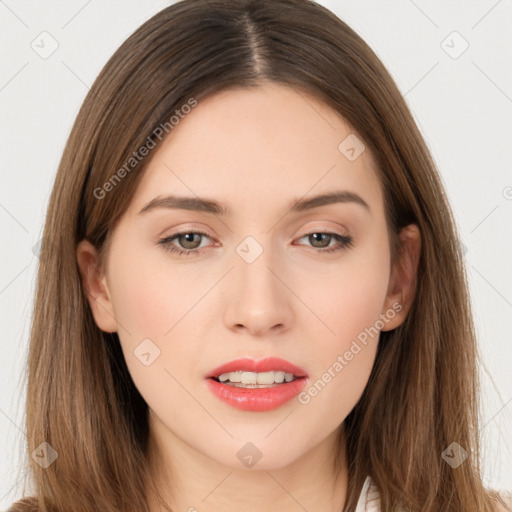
(402,282)
(95,286)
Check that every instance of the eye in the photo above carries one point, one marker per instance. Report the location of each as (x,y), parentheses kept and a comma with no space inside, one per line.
(188,242)
(322,240)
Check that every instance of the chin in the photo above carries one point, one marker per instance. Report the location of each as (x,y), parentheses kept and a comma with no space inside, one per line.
(255,453)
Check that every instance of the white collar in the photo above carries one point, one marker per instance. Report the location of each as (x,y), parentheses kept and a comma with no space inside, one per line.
(369,499)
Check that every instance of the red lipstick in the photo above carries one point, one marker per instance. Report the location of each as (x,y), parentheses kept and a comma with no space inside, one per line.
(263,365)
(257,399)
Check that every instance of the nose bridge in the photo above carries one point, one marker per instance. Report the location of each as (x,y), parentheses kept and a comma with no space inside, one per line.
(257,283)
(258,300)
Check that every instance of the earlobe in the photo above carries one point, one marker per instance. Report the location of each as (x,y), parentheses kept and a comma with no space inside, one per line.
(95,287)
(402,282)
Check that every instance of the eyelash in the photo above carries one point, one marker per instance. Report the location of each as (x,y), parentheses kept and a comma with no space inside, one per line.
(345,242)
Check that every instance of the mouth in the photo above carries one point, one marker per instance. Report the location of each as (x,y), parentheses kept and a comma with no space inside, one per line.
(242,379)
(263,373)
(257,385)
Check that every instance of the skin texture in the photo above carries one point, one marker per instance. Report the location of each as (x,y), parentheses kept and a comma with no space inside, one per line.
(254,150)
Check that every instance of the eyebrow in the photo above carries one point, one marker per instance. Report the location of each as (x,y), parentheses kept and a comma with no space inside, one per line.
(198,204)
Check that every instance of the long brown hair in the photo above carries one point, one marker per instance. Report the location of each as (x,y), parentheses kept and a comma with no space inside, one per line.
(422,394)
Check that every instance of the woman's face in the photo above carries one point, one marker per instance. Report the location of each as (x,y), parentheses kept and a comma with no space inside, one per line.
(266,271)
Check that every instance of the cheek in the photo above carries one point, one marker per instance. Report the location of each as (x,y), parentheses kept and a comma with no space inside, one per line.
(349,296)
(161,302)
(350,305)
(344,360)
(152,295)
(150,299)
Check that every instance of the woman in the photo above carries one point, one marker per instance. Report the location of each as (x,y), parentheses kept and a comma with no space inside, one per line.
(252,292)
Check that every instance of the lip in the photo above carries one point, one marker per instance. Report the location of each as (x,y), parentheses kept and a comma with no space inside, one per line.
(263,365)
(257,399)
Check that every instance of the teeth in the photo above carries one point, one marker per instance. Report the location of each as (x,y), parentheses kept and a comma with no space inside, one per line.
(279,377)
(249,378)
(265,378)
(254,379)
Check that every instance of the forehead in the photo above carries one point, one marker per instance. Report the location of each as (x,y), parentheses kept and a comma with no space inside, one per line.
(257,146)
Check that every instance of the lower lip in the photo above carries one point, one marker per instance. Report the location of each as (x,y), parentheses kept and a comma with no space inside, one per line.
(257,399)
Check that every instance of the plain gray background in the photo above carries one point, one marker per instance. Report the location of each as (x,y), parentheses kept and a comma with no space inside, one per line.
(451,60)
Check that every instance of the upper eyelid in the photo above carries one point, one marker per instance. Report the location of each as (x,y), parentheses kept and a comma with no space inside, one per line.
(205,233)
(341,229)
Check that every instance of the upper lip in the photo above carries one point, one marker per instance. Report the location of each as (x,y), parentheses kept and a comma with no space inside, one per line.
(257,366)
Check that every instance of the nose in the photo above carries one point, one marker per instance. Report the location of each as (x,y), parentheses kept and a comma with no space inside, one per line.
(259,301)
